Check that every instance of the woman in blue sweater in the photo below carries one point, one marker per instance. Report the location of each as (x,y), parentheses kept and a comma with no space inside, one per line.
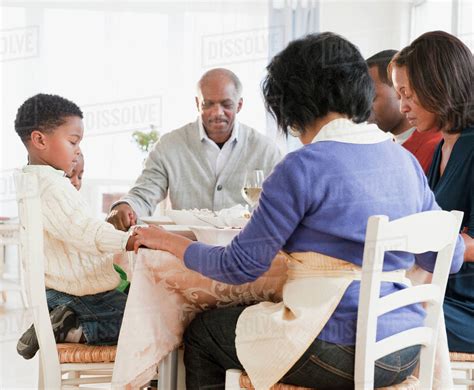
(434,78)
(314,206)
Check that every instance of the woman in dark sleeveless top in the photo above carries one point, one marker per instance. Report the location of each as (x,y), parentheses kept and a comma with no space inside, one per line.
(434,77)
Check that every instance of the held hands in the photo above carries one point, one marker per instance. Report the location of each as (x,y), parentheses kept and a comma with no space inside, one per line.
(130,243)
(152,237)
(155,237)
(122,217)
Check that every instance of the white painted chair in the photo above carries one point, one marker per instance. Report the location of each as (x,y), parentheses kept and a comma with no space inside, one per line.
(435,231)
(55,371)
(463,363)
(9,236)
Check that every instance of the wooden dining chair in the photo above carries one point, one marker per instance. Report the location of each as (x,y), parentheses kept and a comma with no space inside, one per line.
(61,365)
(435,231)
(463,363)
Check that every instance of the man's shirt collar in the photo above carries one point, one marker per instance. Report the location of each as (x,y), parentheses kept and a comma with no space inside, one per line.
(203,135)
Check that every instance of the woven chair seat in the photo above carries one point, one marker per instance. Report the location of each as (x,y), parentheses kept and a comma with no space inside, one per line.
(461,357)
(411,383)
(83,353)
(246,384)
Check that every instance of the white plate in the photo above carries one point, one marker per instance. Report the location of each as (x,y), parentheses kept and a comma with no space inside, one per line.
(209,220)
(185,217)
(214,236)
(157,220)
(181,230)
(223,219)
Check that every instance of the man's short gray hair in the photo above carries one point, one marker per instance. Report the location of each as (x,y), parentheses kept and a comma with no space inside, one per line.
(221,72)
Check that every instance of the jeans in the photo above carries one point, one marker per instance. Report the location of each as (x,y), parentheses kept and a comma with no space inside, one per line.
(100,315)
(210,351)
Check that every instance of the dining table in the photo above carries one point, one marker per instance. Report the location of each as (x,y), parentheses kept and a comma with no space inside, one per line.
(163,299)
(165,296)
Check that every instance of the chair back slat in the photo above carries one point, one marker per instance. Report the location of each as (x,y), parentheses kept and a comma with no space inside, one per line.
(408,296)
(432,231)
(32,256)
(416,336)
(418,233)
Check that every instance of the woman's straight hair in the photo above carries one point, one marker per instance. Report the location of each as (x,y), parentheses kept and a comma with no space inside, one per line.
(440,70)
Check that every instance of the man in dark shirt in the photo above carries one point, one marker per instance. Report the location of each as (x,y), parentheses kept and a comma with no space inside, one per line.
(386,113)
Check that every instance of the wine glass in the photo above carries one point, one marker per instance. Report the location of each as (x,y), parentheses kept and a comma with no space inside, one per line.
(252,186)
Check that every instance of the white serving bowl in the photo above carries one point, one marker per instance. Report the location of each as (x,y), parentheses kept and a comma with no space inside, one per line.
(214,236)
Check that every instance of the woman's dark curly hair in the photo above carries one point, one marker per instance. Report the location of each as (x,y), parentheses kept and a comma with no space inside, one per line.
(315,75)
(440,70)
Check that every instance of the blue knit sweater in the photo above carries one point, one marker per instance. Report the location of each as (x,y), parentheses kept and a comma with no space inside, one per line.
(319,199)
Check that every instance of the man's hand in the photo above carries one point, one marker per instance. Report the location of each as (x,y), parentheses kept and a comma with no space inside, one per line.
(122,217)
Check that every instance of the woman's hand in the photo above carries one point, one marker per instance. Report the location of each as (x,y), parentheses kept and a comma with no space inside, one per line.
(469,243)
(155,237)
(152,237)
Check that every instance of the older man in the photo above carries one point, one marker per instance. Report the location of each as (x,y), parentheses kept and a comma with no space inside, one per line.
(202,164)
(386,113)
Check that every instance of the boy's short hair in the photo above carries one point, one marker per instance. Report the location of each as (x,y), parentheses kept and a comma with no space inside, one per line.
(381,61)
(43,112)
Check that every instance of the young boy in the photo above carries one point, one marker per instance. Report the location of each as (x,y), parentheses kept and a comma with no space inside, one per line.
(76,180)
(77,172)
(79,273)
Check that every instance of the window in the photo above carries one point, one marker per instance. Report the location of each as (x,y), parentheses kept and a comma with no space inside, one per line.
(129,66)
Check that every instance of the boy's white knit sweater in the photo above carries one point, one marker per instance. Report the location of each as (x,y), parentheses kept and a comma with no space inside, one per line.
(78,248)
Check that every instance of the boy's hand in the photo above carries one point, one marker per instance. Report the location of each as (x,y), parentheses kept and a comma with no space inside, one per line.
(130,243)
(122,217)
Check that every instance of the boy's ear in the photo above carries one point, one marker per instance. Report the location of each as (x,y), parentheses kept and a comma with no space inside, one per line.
(38,140)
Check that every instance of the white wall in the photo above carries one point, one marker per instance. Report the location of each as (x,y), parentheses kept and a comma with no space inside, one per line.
(373,25)
(453,16)
(138,60)
(141,60)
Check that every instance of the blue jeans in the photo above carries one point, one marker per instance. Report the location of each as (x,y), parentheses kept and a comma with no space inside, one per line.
(210,351)
(100,315)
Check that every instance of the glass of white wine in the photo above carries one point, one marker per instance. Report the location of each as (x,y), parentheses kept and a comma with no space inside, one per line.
(252,186)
